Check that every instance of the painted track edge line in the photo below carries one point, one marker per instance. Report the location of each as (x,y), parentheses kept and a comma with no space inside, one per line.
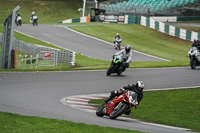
(43,41)
(176,88)
(111,43)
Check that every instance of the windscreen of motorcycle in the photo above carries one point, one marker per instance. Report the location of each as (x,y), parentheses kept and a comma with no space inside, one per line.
(117,59)
(34,17)
(132,96)
(191,50)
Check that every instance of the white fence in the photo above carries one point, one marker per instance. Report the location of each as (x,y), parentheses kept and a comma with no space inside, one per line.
(67,57)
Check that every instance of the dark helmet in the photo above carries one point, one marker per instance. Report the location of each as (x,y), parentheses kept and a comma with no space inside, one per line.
(196,40)
(139,86)
(127,48)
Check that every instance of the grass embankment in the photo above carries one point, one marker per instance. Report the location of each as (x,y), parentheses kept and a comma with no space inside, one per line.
(82,62)
(140,38)
(180,108)
(48,11)
(12,123)
(143,40)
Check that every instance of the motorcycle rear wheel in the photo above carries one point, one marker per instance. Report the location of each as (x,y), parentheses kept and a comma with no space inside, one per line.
(99,111)
(118,111)
(193,63)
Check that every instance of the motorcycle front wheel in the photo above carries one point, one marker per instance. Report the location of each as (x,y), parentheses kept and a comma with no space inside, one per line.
(109,71)
(99,111)
(119,110)
(193,63)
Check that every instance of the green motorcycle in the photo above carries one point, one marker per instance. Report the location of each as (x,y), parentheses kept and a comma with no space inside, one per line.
(117,65)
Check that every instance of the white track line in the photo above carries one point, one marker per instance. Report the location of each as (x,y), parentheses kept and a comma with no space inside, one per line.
(89,37)
(110,43)
(80,102)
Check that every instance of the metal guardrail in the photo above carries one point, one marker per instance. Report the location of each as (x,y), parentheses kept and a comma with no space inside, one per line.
(67,57)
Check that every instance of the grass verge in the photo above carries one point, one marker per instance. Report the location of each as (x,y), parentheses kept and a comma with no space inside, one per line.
(48,11)
(180,108)
(140,38)
(13,123)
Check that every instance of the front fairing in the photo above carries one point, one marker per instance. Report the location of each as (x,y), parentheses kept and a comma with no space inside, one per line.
(116,62)
(127,97)
(192,51)
(110,106)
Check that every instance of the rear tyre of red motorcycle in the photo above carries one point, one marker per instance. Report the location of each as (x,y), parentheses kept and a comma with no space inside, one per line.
(99,111)
(119,111)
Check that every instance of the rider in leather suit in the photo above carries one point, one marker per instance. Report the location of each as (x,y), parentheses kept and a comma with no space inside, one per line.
(127,53)
(138,88)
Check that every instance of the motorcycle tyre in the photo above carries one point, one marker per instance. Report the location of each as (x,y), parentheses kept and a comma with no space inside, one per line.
(119,112)
(109,71)
(20,23)
(119,73)
(193,63)
(119,46)
(99,111)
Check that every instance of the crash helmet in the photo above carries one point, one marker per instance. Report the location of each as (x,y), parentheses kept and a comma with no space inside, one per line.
(33,13)
(127,49)
(196,40)
(139,86)
(117,34)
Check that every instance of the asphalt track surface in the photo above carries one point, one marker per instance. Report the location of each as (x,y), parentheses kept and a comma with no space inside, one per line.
(39,93)
(65,38)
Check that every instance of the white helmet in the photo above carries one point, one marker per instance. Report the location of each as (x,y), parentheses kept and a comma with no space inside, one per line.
(117,34)
(33,13)
(139,86)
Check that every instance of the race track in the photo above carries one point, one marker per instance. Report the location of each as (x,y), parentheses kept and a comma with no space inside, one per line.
(39,93)
(65,38)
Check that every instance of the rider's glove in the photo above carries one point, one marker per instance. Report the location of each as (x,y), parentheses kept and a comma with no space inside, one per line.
(135,105)
(122,90)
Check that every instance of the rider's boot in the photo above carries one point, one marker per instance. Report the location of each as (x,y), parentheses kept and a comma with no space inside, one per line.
(108,99)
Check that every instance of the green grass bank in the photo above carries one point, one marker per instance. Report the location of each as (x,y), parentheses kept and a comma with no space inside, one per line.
(48,11)
(179,108)
(13,123)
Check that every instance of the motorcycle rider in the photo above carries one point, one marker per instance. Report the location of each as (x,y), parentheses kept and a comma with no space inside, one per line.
(127,53)
(196,43)
(31,20)
(17,19)
(33,16)
(138,88)
(117,36)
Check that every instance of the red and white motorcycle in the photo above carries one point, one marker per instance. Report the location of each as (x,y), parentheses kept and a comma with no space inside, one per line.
(119,105)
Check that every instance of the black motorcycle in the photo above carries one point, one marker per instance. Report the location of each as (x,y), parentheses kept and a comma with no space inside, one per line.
(34,20)
(117,65)
(18,20)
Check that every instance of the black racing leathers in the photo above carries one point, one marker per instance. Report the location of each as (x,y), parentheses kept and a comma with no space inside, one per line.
(130,87)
